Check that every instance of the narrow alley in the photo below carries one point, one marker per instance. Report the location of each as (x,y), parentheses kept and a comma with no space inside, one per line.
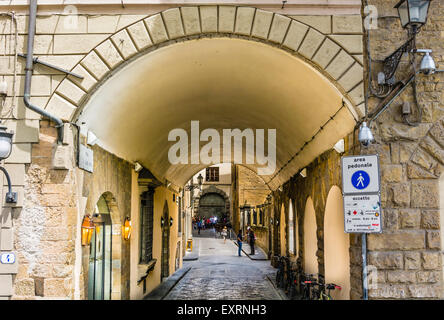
(220,273)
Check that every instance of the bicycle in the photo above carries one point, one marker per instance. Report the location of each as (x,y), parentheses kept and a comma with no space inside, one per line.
(307,286)
(280,272)
(329,287)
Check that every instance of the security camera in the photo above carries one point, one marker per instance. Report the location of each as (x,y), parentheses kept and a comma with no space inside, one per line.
(428,65)
(365,135)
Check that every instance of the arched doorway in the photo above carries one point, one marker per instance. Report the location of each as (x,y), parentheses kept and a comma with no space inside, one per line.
(310,239)
(100,257)
(165,272)
(212,205)
(336,245)
(283,232)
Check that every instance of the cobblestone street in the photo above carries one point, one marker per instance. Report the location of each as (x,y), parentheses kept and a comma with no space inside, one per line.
(220,273)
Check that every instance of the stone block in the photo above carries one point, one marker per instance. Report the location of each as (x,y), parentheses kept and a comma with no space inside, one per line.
(424,291)
(417,172)
(437,132)
(244,20)
(24,130)
(88,80)
(357,94)
(24,287)
(391,173)
(108,52)
(7,239)
(156,28)
(425,194)
(279,28)
(295,35)
(173,23)
(71,91)
(311,43)
(191,21)
(433,240)
(140,35)
(401,194)
(227,16)
(21,153)
(5,285)
(409,219)
(389,291)
(60,107)
(430,219)
(326,53)
(399,276)
(20,111)
(124,44)
(208,18)
(320,23)
(129,19)
(433,148)
(352,77)
(430,260)
(428,276)
(386,260)
(93,64)
(353,44)
(262,23)
(411,240)
(412,260)
(347,24)
(62,158)
(103,23)
(6,218)
(55,288)
(340,64)
(76,43)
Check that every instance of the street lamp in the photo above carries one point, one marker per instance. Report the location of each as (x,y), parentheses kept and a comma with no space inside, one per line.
(127,229)
(200,180)
(5,152)
(413,13)
(87,230)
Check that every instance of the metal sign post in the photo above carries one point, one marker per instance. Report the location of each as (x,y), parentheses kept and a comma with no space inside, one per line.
(362,201)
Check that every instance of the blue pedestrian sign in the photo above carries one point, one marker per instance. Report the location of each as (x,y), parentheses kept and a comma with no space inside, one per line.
(360,174)
(360,179)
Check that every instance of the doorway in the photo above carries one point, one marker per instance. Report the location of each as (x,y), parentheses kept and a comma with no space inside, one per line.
(165,243)
(100,267)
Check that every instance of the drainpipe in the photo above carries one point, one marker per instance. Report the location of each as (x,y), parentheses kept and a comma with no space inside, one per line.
(29,71)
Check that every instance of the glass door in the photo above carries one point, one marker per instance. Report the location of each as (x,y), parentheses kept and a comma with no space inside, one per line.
(99,281)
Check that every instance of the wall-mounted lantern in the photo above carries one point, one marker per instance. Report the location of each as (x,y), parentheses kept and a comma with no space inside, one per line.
(277,222)
(127,229)
(87,230)
(5,152)
(171,222)
(413,13)
(200,179)
(162,221)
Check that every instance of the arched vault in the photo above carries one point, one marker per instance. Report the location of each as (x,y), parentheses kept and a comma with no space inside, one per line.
(162,72)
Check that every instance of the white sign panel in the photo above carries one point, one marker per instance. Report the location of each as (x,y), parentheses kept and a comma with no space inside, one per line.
(7,258)
(362,213)
(360,174)
(86,158)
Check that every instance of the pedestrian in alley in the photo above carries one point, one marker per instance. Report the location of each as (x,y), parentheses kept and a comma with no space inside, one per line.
(225,233)
(252,239)
(239,243)
(199,226)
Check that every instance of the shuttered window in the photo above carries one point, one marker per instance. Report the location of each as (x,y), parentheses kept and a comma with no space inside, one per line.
(212,174)
(146,226)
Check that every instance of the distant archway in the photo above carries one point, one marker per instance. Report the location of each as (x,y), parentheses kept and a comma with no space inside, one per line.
(336,245)
(310,239)
(291,233)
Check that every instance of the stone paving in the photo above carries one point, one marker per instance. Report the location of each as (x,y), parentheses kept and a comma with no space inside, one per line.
(221,274)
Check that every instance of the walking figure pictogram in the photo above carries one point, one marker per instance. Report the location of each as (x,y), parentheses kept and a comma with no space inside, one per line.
(360,180)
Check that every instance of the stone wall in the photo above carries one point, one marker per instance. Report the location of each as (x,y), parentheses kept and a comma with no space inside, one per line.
(407,254)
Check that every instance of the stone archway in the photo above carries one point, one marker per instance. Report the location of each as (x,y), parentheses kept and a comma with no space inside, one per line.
(213,190)
(173,25)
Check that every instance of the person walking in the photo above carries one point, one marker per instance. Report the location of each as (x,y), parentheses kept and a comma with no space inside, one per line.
(252,239)
(239,243)
(199,226)
(225,233)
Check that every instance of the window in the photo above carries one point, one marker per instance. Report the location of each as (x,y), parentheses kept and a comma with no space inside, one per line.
(212,174)
(254,217)
(146,226)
